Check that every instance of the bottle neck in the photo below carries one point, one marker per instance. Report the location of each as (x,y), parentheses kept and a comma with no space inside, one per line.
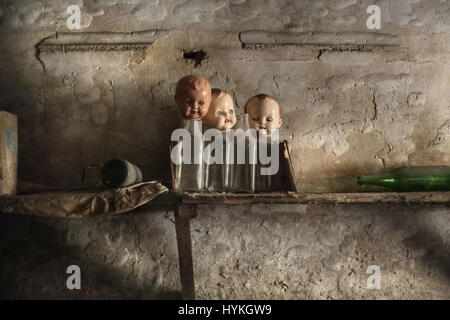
(242,122)
(383,180)
(194,126)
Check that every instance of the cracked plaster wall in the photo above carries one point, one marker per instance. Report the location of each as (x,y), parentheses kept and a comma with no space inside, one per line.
(346,111)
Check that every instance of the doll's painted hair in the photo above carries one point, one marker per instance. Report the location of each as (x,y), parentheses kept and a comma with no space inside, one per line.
(261,97)
(191,81)
(217,93)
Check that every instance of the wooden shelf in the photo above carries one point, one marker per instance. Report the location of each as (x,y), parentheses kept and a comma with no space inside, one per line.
(58,201)
(317,198)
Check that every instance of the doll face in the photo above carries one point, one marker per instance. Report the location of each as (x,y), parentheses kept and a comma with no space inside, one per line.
(193,97)
(221,113)
(263,114)
(194,104)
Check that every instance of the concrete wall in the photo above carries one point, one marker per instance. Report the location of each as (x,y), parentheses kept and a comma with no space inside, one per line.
(352,104)
(244,252)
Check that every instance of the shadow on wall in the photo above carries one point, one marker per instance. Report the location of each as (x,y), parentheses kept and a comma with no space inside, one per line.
(35,254)
(426,240)
(69,119)
(427,245)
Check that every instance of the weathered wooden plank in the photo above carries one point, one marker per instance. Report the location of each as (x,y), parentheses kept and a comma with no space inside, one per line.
(183,231)
(318,198)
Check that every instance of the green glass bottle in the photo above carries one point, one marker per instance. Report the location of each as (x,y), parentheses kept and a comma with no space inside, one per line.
(118,173)
(410,179)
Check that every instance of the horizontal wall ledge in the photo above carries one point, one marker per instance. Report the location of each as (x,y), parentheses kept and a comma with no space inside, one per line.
(101,41)
(253,38)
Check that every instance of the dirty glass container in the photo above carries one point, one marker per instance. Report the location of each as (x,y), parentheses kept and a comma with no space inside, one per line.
(262,182)
(268,151)
(216,174)
(229,157)
(187,156)
(244,157)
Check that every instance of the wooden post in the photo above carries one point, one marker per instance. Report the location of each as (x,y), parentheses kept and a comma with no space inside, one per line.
(183,213)
(8,153)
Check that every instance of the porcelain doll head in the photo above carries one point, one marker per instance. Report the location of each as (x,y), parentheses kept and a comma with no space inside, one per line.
(263,113)
(193,96)
(221,114)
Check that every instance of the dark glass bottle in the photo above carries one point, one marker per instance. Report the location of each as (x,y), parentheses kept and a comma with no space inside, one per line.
(410,179)
(117,173)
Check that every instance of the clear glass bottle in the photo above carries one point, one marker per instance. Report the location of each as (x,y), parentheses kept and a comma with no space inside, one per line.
(268,147)
(217,173)
(188,154)
(244,157)
(262,182)
(229,157)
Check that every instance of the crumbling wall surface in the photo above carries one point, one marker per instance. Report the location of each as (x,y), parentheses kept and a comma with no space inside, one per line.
(354,101)
(133,256)
(239,252)
(311,252)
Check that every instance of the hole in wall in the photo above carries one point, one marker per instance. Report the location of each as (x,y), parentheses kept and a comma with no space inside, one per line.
(197,56)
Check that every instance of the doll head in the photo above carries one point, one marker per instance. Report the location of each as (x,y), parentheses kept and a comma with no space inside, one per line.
(193,96)
(221,114)
(263,113)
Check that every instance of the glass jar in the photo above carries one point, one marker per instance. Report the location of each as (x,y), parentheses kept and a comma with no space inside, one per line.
(217,167)
(244,156)
(268,153)
(187,156)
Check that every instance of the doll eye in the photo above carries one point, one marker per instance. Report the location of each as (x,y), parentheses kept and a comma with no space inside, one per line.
(201,103)
(269,119)
(256,119)
(231,111)
(189,101)
(219,113)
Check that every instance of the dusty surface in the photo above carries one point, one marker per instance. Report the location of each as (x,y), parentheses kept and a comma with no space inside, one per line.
(347,110)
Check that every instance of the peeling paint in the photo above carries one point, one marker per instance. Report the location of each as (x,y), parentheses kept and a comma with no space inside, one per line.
(442,141)
(35,14)
(346,20)
(416,99)
(341,4)
(194,11)
(150,11)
